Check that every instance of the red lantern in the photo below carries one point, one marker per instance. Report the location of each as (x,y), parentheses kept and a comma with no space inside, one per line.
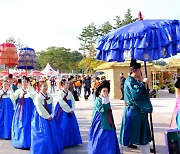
(8,54)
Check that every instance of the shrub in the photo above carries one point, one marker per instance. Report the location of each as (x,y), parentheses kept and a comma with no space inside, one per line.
(162,86)
(156,87)
(171,90)
(170,85)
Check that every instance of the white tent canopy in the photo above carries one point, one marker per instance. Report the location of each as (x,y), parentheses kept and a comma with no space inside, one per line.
(48,70)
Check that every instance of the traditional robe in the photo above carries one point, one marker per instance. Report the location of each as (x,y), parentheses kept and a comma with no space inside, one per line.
(135,125)
(102,133)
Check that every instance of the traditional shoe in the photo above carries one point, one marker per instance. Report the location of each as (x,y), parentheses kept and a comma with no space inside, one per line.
(132,146)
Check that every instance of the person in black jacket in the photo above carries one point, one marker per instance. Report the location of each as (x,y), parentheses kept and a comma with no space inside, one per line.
(87,86)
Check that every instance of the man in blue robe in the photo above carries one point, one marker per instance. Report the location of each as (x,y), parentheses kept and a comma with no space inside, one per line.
(135,127)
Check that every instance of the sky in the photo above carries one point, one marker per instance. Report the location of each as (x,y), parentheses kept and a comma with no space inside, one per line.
(43,23)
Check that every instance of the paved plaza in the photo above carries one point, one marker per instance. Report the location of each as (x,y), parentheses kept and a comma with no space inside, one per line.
(163,107)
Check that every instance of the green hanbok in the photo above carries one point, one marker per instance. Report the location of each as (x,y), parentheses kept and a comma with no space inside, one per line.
(135,125)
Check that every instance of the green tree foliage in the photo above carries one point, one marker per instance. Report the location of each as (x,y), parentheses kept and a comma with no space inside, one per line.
(128,18)
(118,22)
(88,37)
(59,58)
(105,28)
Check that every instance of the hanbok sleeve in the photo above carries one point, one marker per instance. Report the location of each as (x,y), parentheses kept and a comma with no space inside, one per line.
(98,106)
(72,100)
(62,103)
(137,89)
(38,102)
(15,95)
(32,92)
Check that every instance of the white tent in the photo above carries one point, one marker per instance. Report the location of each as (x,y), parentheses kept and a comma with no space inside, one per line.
(48,70)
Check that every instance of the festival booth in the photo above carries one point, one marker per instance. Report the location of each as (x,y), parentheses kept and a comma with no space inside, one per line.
(49,71)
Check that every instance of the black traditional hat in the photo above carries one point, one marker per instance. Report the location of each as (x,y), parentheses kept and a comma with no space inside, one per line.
(104,84)
(177,84)
(134,64)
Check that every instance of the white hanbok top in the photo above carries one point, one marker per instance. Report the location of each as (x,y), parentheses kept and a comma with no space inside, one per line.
(7,95)
(39,103)
(63,104)
(31,93)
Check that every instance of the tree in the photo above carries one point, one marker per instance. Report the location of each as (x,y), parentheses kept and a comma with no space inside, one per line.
(88,37)
(105,28)
(59,58)
(127,19)
(16,42)
(118,22)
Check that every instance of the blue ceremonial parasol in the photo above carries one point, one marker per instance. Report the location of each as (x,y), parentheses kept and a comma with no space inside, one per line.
(26,59)
(145,40)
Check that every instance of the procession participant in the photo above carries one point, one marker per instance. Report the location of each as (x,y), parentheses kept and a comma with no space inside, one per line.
(6,111)
(135,127)
(45,139)
(102,133)
(177,107)
(65,116)
(21,124)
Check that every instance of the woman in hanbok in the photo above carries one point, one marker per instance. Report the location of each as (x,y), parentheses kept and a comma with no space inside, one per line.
(44,137)
(176,114)
(65,116)
(102,133)
(6,111)
(21,125)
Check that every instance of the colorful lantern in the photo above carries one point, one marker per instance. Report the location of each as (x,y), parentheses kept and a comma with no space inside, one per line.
(26,58)
(8,54)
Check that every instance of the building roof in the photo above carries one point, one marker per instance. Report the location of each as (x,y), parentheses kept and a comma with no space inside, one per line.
(110,65)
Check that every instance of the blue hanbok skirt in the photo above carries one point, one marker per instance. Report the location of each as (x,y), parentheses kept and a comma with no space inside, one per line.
(21,124)
(69,125)
(6,116)
(102,141)
(45,137)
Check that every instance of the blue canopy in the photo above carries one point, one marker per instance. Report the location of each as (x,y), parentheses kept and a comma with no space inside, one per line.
(145,40)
